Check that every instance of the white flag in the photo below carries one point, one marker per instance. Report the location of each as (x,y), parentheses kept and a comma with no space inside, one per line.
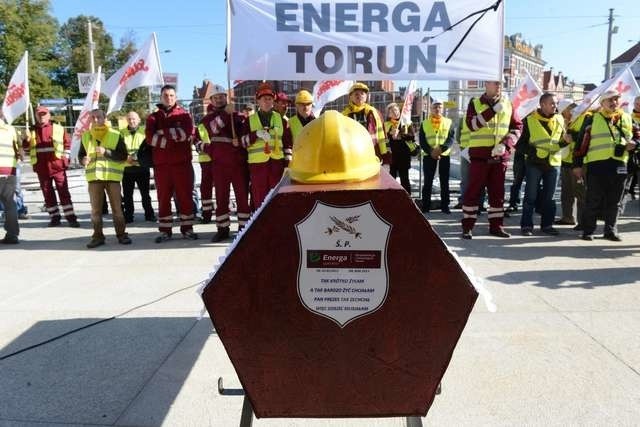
(409,95)
(16,100)
(325,91)
(628,88)
(142,69)
(526,97)
(84,119)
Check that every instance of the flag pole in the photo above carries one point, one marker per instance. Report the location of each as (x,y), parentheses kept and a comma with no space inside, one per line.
(234,136)
(26,71)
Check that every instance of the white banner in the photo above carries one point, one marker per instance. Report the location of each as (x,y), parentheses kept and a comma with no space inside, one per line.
(325,91)
(16,100)
(526,97)
(365,40)
(409,95)
(142,69)
(84,119)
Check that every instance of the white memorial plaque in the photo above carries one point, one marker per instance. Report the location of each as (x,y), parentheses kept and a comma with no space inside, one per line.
(343,274)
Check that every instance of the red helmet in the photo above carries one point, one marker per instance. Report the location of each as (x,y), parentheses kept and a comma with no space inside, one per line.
(265,89)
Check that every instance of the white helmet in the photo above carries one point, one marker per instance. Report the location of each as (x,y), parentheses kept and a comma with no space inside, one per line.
(217,90)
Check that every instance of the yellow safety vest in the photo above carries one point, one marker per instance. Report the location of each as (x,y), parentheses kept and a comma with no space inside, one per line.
(102,169)
(8,148)
(296,127)
(382,140)
(57,136)
(495,129)
(465,134)
(133,141)
(204,137)
(387,128)
(546,145)
(261,151)
(436,138)
(575,130)
(604,138)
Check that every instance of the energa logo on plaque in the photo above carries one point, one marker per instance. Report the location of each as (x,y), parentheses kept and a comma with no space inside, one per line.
(342,272)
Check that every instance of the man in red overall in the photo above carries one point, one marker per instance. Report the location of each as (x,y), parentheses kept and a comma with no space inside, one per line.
(267,138)
(229,161)
(494,129)
(48,145)
(168,131)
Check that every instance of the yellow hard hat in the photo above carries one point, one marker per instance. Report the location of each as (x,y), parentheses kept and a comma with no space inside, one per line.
(304,97)
(360,86)
(333,148)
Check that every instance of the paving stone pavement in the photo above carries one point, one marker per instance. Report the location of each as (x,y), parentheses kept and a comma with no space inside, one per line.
(563,347)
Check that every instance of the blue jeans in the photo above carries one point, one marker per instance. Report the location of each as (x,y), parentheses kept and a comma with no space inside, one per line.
(549,178)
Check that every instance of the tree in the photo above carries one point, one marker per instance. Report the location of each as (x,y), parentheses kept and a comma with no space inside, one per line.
(73,50)
(28,25)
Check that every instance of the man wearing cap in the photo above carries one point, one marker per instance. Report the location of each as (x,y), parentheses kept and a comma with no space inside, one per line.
(267,138)
(218,132)
(367,116)
(206,166)
(281,104)
(436,138)
(49,147)
(134,173)
(304,113)
(169,130)
(605,143)
(494,129)
(542,138)
(9,155)
(401,139)
(103,154)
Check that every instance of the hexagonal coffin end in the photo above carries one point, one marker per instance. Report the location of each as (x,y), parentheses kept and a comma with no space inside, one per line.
(278,303)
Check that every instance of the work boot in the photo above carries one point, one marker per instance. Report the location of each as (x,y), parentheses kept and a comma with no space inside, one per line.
(10,240)
(124,239)
(190,235)
(222,234)
(74,223)
(499,232)
(163,237)
(467,235)
(95,242)
(55,222)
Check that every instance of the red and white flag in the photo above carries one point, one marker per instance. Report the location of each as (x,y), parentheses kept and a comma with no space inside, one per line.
(628,88)
(526,97)
(16,100)
(142,69)
(409,95)
(624,82)
(84,119)
(325,91)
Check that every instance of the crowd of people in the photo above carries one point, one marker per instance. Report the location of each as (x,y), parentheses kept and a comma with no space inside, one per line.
(595,157)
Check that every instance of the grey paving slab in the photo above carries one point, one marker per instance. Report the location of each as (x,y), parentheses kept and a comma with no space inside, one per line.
(534,369)
(562,348)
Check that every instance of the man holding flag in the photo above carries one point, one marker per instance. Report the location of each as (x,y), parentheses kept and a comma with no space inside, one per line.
(49,146)
(363,113)
(494,130)
(603,146)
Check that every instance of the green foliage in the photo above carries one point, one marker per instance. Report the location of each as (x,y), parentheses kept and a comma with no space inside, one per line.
(73,50)
(58,53)
(28,25)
